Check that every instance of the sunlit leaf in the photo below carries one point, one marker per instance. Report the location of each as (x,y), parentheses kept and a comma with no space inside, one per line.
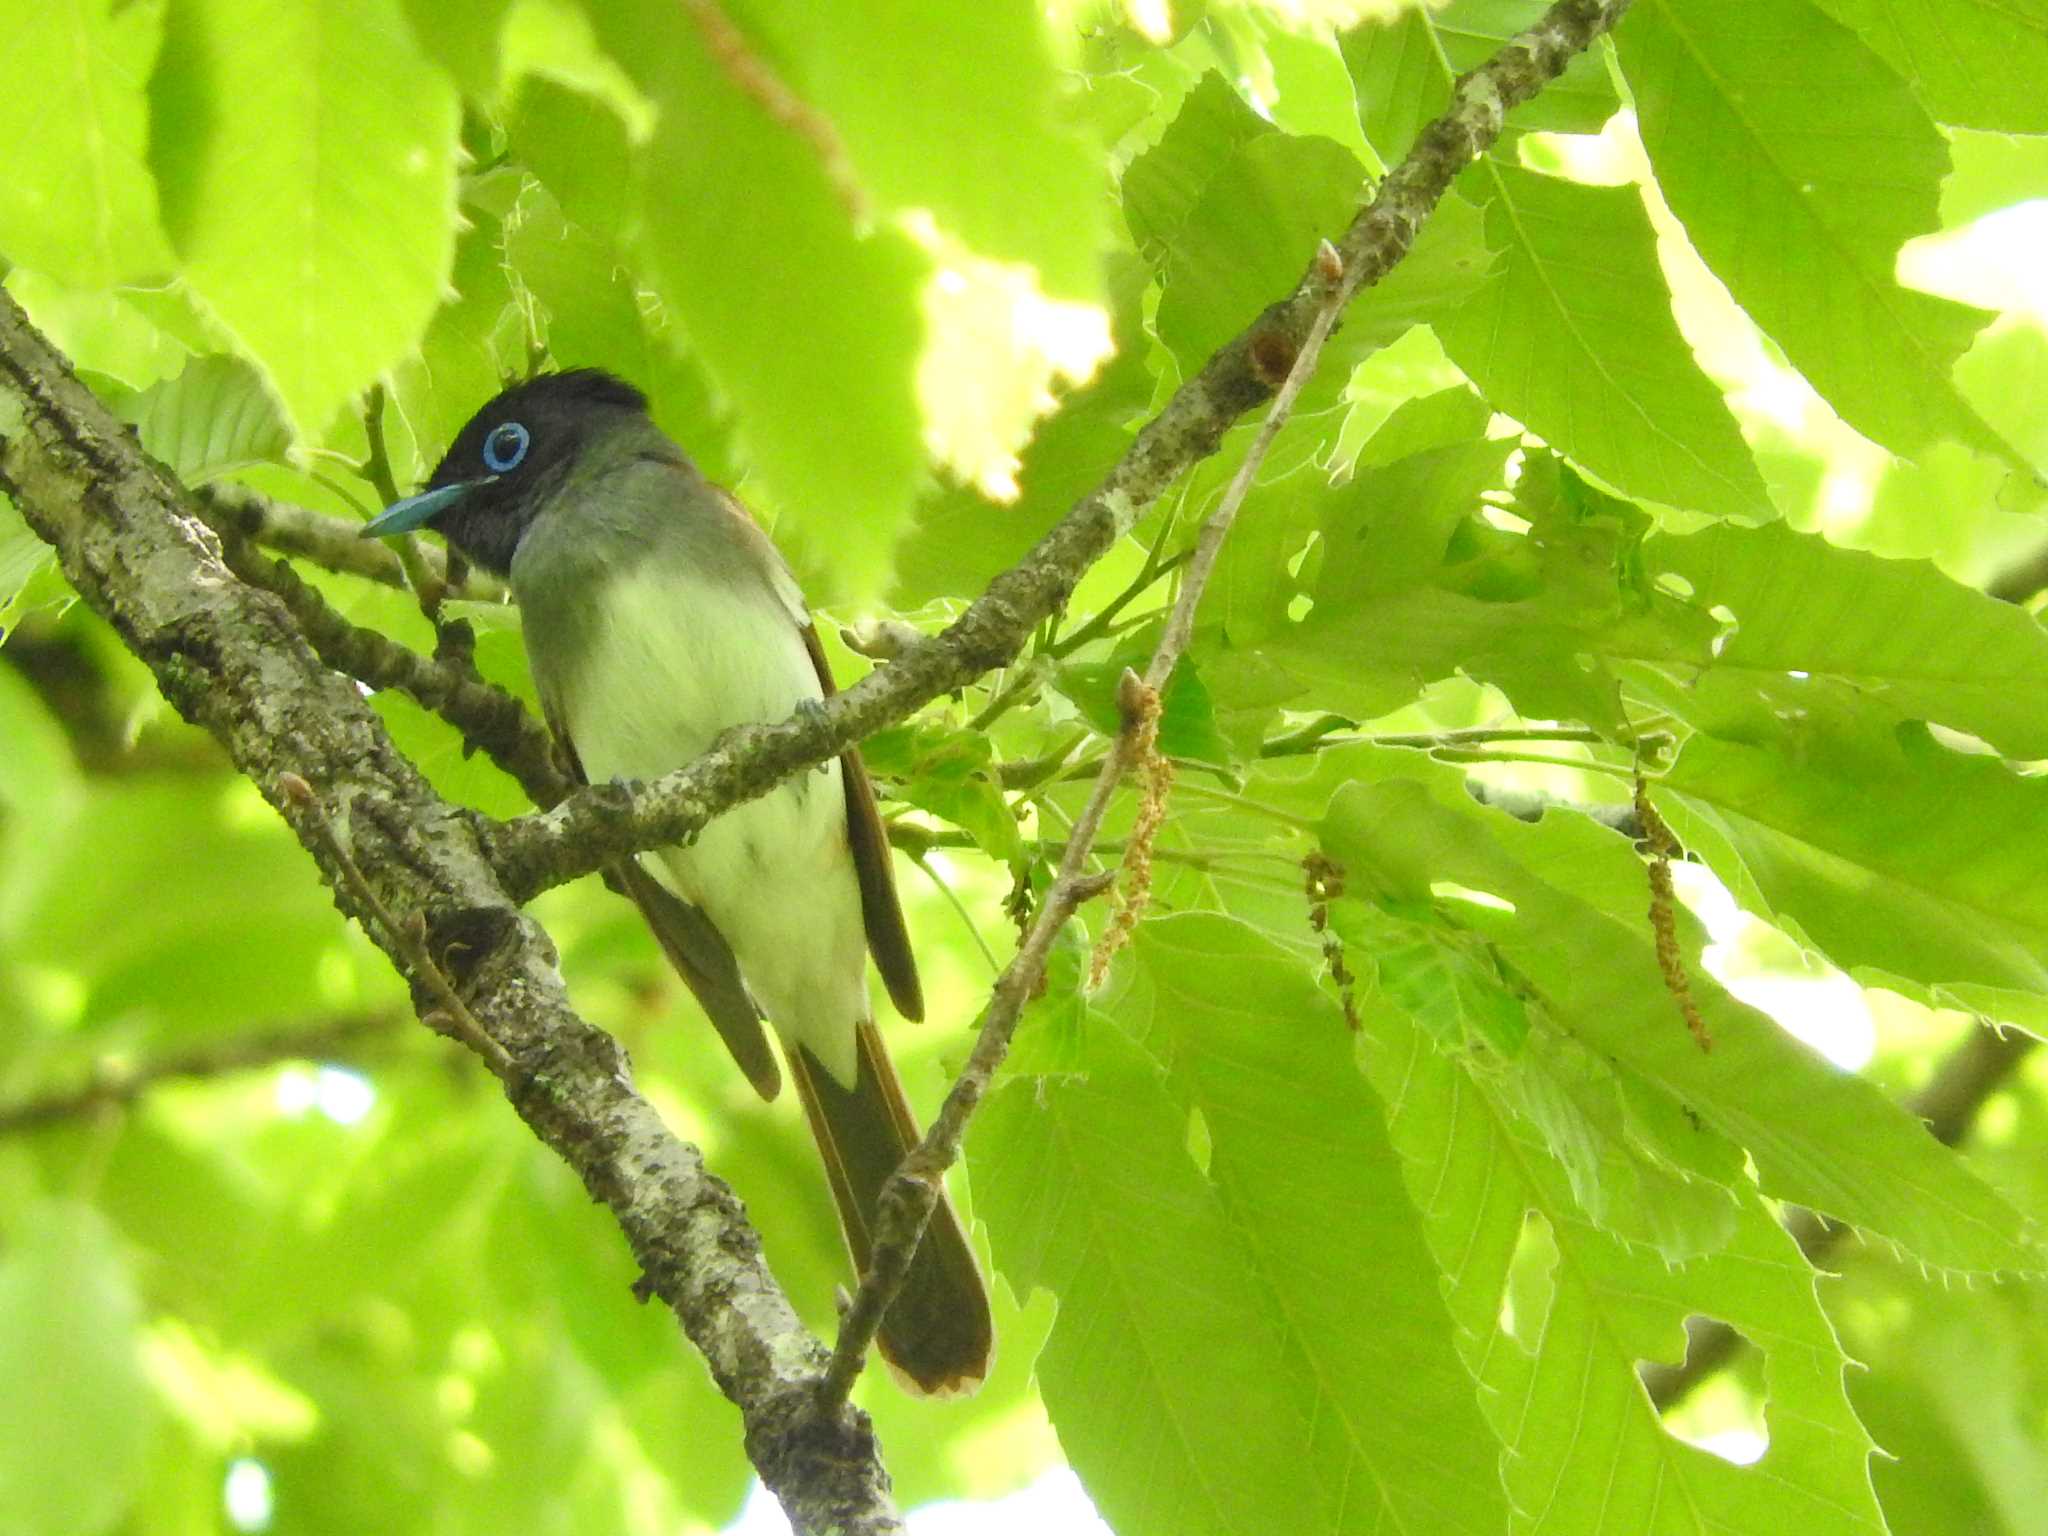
(307,160)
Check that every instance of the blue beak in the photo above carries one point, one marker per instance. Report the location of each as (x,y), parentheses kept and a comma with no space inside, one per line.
(417,511)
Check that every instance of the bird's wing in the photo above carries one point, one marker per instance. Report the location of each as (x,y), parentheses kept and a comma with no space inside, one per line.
(881,913)
(696,949)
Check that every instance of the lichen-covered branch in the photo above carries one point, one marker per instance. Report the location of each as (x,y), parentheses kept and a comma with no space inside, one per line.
(230,658)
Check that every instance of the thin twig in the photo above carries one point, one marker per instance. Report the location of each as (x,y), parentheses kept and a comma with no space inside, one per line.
(913,1190)
(410,936)
(333,543)
(428,584)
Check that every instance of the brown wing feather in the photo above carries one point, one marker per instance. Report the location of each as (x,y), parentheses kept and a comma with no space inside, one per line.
(888,938)
(695,948)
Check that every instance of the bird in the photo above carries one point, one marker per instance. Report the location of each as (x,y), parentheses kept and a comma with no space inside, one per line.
(657,614)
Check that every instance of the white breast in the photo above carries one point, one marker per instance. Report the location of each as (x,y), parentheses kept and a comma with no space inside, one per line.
(676,660)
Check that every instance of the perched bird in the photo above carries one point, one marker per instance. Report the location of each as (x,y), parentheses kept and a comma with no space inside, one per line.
(657,614)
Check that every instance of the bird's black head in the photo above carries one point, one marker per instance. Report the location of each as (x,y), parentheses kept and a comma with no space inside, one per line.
(510,458)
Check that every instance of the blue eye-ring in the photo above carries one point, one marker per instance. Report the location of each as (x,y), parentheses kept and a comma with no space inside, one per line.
(505,447)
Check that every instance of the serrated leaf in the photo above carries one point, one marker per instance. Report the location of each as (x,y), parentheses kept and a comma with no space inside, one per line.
(1975,63)
(1588,1456)
(306,157)
(1249,236)
(1578,937)
(1548,619)
(1905,638)
(77,202)
(1892,854)
(591,314)
(1089,1189)
(1187,711)
(475,343)
(1802,216)
(580,150)
(810,331)
(1163,185)
(1572,335)
(1299,1157)
(215,416)
(962,538)
(1173,1414)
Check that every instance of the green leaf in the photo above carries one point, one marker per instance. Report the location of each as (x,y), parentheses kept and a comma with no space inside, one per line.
(77,202)
(1975,63)
(23,557)
(981,81)
(1892,854)
(592,315)
(1403,70)
(1579,940)
(307,162)
(1248,239)
(1167,1371)
(1736,149)
(962,538)
(1902,637)
(947,771)
(1587,1454)
(476,341)
(1573,335)
(1410,597)
(216,920)
(464,38)
(76,1419)
(215,416)
(809,330)
(1300,1161)
(580,150)
(1187,710)
(1162,187)
(1637,1169)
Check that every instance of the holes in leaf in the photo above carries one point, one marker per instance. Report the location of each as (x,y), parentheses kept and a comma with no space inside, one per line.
(1716,1398)
(1525,1300)
(1199,1145)
(1450,890)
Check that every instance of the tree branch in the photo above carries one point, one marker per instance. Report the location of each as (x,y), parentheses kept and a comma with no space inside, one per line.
(488,717)
(112,1085)
(603,823)
(229,657)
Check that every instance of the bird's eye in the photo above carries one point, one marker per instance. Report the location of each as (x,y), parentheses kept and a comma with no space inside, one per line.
(505,447)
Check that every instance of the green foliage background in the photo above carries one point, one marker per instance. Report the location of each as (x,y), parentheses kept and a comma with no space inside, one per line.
(1647,450)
